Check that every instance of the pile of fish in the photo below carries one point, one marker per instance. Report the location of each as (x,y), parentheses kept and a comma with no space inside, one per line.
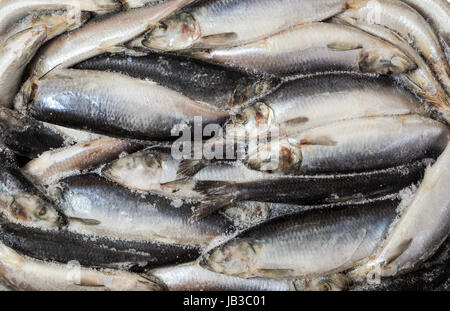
(349,190)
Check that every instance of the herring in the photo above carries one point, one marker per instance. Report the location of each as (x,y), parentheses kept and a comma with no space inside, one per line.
(57,164)
(106,103)
(307,244)
(422,227)
(324,47)
(98,37)
(235,22)
(24,273)
(12,10)
(200,81)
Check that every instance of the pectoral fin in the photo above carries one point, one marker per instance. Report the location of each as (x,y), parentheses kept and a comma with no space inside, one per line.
(343,46)
(85,221)
(219,39)
(318,140)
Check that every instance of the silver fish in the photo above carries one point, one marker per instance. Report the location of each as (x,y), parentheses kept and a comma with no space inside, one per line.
(437,12)
(106,103)
(306,244)
(401,18)
(12,10)
(324,47)
(353,145)
(15,53)
(24,273)
(124,214)
(423,226)
(234,22)
(422,80)
(133,4)
(192,277)
(310,102)
(21,202)
(53,165)
(98,37)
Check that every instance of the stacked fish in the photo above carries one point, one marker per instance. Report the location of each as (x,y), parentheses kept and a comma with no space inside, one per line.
(350,190)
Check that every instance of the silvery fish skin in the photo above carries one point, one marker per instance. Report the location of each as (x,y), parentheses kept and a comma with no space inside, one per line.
(353,145)
(437,12)
(203,82)
(154,171)
(308,190)
(423,226)
(133,4)
(407,22)
(12,10)
(15,53)
(98,37)
(310,102)
(21,202)
(234,22)
(57,164)
(324,47)
(26,136)
(71,136)
(24,273)
(306,244)
(192,277)
(421,80)
(56,22)
(106,103)
(91,251)
(128,215)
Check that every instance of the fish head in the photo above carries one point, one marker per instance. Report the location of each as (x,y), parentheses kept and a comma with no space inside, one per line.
(30,210)
(335,282)
(276,156)
(244,91)
(141,170)
(237,258)
(252,121)
(384,60)
(173,34)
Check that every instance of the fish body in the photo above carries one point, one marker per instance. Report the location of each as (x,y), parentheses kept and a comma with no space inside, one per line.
(91,251)
(15,53)
(305,103)
(423,226)
(437,12)
(106,103)
(308,190)
(422,80)
(408,23)
(202,82)
(12,11)
(234,22)
(21,202)
(353,145)
(129,215)
(324,47)
(98,37)
(26,136)
(57,164)
(306,244)
(24,273)
(192,277)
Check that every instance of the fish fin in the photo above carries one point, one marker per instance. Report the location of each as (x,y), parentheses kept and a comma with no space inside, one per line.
(297,121)
(219,39)
(340,46)
(217,195)
(188,168)
(179,184)
(400,249)
(85,221)
(318,140)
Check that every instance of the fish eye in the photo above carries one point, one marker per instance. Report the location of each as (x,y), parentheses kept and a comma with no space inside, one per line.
(326,287)
(42,211)
(163,26)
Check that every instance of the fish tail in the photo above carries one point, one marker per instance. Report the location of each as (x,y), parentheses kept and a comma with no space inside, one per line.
(217,196)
